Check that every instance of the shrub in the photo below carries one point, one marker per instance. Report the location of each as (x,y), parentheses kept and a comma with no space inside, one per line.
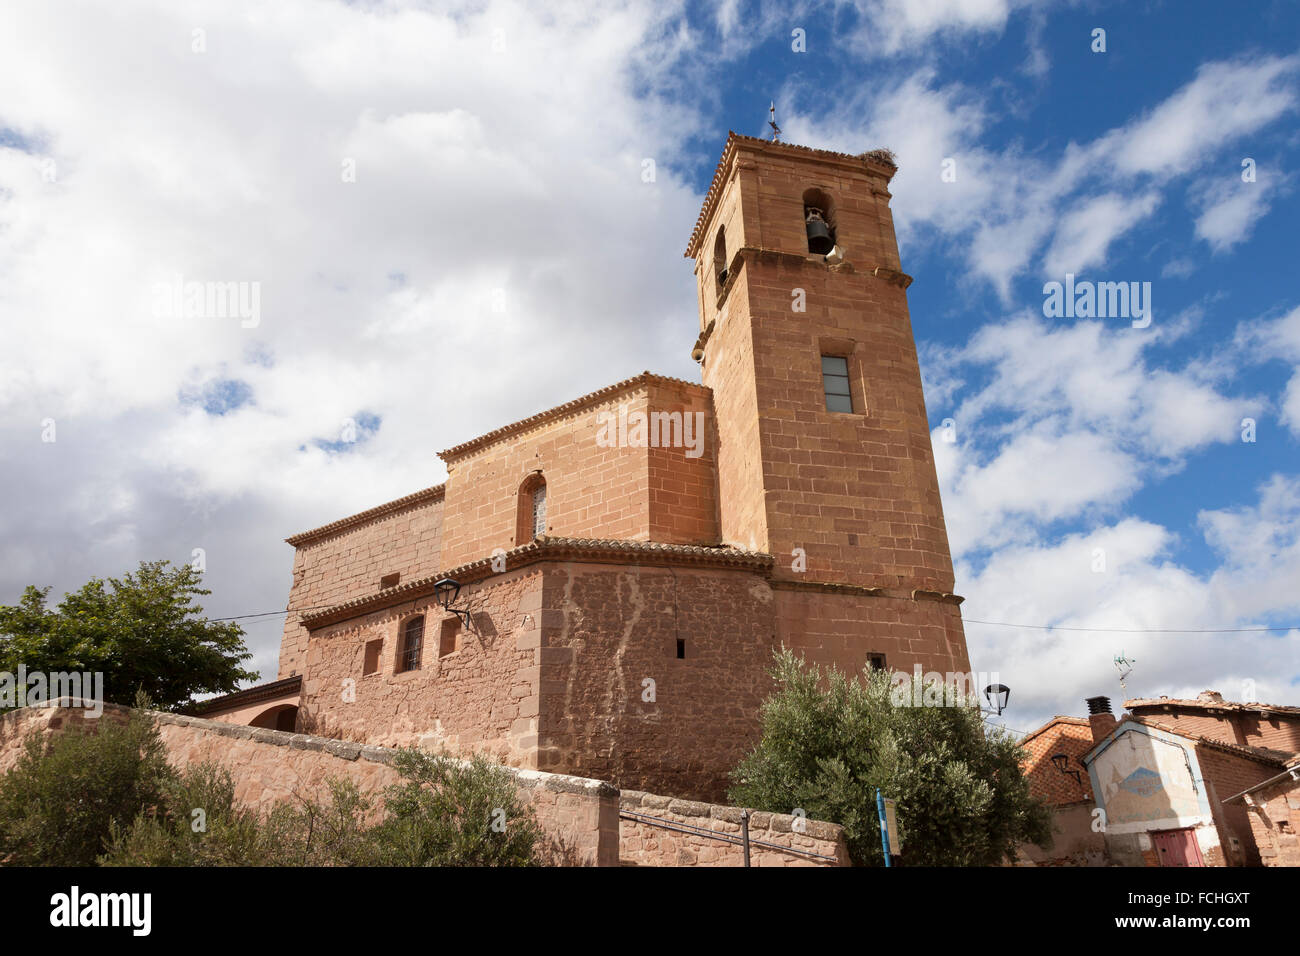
(830,741)
(450,812)
(61,801)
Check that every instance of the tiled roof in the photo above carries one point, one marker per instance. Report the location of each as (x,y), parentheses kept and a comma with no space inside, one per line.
(873,157)
(1058,719)
(249,695)
(559,411)
(547,548)
(370,514)
(1261,754)
(1206,702)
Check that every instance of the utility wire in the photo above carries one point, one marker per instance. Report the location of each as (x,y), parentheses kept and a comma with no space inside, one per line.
(1037,627)
(1139,630)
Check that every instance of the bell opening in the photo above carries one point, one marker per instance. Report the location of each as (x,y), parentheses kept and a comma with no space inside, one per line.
(820,238)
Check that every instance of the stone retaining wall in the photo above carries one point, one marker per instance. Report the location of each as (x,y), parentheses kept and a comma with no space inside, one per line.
(579,816)
(661,831)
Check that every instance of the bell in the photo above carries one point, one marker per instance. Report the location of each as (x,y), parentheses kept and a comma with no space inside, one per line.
(819,234)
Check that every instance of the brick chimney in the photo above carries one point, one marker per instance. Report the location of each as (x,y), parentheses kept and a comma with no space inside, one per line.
(1100,718)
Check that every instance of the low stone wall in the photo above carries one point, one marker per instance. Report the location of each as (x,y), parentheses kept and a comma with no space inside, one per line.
(579,816)
(662,831)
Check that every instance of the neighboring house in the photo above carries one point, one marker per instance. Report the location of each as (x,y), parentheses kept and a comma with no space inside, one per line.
(1053,766)
(1209,715)
(1273,808)
(1163,790)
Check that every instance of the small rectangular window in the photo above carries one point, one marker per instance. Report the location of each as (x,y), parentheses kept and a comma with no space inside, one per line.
(449,637)
(390,580)
(835,382)
(876,661)
(681,649)
(373,650)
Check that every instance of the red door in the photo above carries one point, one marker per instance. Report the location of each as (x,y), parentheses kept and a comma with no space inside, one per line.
(1177,848)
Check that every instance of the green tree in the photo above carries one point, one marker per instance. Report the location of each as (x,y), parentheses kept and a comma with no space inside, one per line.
(144,632)
(829,741)
(69,790)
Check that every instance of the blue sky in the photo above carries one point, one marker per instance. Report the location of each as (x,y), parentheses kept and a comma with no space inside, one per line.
(443,210)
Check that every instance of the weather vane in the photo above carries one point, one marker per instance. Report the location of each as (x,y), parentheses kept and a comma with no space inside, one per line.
(776,130)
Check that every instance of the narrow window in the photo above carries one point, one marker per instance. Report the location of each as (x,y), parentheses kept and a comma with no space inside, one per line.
(539,510)
(449,637)
(532,509)
(373,650)
(835,382)
(681,649)
(720,257)
(408,659)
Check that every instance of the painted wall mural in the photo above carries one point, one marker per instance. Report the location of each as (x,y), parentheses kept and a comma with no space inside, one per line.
(1146,779)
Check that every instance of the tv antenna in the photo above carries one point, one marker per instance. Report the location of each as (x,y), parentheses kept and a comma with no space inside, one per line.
(771,121)
(1125,667)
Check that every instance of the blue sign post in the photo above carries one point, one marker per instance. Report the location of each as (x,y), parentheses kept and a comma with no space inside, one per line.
(889,836)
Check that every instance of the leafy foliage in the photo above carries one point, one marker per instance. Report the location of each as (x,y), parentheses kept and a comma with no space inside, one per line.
(143,632)
(830,741)
(67,793)
(450,812)
(78,797)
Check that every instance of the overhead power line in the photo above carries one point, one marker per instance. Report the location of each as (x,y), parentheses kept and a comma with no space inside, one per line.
(1139,630)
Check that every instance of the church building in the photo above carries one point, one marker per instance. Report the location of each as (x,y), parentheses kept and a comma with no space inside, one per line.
(598,589)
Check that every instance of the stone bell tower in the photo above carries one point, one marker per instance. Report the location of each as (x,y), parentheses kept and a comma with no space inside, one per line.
(824,454)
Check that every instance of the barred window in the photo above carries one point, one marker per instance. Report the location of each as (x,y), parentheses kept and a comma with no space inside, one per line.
(835,382)
(539,510)
(412,643)
(531,521)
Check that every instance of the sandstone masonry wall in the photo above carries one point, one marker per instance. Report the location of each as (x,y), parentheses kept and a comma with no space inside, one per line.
(663,831)
(608,631)
(349,563)
(482,695)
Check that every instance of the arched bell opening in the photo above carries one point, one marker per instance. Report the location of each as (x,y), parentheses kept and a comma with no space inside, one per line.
(819,221)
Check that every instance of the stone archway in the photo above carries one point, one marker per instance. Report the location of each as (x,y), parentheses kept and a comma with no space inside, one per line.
(280,717)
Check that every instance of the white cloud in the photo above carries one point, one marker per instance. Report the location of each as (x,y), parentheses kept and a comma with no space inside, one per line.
(1087,230)
(1230,210)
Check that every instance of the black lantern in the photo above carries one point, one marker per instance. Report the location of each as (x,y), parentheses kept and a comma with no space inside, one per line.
(1003,694)
(447,591)
(1062,761)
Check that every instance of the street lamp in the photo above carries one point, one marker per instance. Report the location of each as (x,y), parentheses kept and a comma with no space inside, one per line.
(1003,694)
(1061,762)
(447,591)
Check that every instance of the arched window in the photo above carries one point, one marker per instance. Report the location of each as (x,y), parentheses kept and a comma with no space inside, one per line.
(720,257)
(532,509)
(819,221)
(411,644)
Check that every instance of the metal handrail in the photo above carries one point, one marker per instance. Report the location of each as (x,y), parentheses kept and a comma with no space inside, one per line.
(689,828)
